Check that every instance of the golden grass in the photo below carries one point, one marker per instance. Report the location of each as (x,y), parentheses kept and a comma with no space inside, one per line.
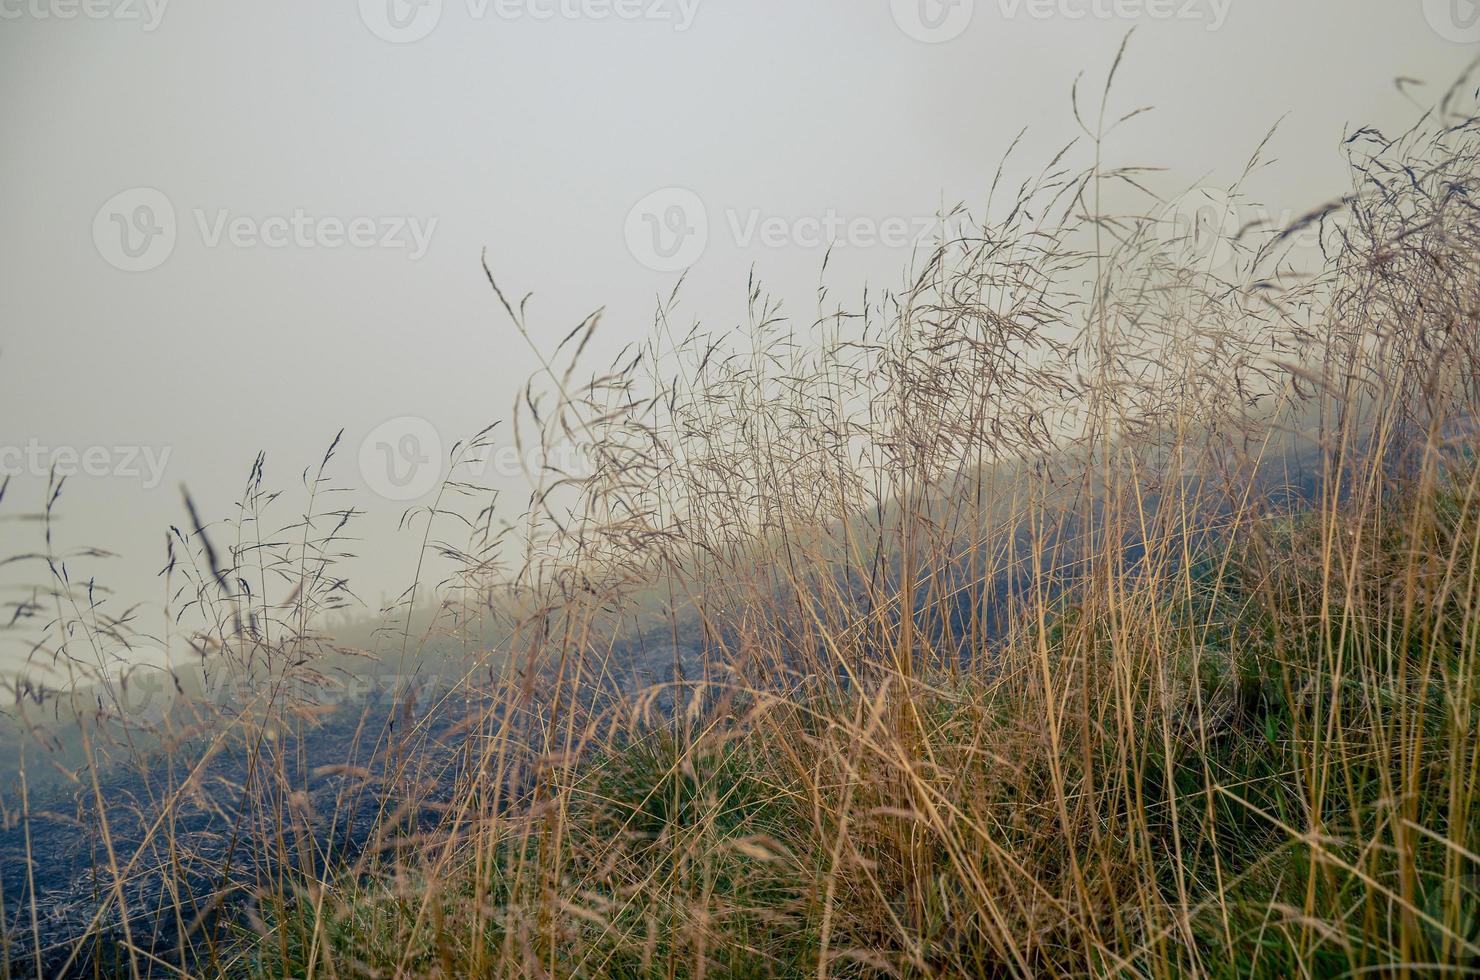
(1079,609)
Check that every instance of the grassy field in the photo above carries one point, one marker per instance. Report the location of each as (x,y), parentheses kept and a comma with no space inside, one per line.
(1101,603)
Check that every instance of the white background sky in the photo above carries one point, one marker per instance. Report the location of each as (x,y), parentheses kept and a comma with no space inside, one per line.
(534,137)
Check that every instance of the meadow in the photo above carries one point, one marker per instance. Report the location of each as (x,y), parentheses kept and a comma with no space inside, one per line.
(1105,601)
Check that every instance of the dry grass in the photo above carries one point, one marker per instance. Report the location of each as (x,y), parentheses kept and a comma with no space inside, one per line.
(1079,609)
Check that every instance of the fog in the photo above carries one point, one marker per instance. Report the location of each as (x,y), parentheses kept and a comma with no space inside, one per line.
(233,228)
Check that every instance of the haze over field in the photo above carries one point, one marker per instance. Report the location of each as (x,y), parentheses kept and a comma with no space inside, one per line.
(680,489)
(533,129)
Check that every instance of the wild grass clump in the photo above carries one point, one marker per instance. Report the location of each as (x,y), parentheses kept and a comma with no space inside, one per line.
(1093,605)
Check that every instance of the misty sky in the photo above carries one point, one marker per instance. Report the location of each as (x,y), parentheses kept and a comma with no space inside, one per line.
(233,227)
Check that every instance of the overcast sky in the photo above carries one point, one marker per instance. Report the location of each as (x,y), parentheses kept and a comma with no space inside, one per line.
(232,227)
